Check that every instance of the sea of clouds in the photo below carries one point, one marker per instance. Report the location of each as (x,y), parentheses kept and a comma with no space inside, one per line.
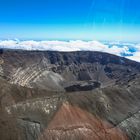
(128,50)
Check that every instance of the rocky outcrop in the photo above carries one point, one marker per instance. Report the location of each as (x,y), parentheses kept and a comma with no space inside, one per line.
(82,86)
(40,78)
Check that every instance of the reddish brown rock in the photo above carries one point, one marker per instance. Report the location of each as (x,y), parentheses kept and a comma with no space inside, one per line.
(73,123)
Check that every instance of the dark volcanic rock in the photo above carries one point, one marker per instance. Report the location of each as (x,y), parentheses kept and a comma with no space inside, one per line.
(82,86)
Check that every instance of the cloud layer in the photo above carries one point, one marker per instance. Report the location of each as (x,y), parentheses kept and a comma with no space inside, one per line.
(128,50)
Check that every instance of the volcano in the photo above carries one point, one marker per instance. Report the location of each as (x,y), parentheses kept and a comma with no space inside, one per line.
(84,95)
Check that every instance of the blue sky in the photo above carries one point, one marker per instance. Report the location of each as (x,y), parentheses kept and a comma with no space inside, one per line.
(70,19)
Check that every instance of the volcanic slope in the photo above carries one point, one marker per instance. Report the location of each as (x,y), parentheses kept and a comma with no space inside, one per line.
(68,96)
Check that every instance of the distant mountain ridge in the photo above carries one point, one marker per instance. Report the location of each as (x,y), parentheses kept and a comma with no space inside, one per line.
(126,49)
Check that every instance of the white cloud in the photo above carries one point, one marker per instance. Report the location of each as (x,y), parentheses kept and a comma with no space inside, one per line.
(72,45)
(135,57)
